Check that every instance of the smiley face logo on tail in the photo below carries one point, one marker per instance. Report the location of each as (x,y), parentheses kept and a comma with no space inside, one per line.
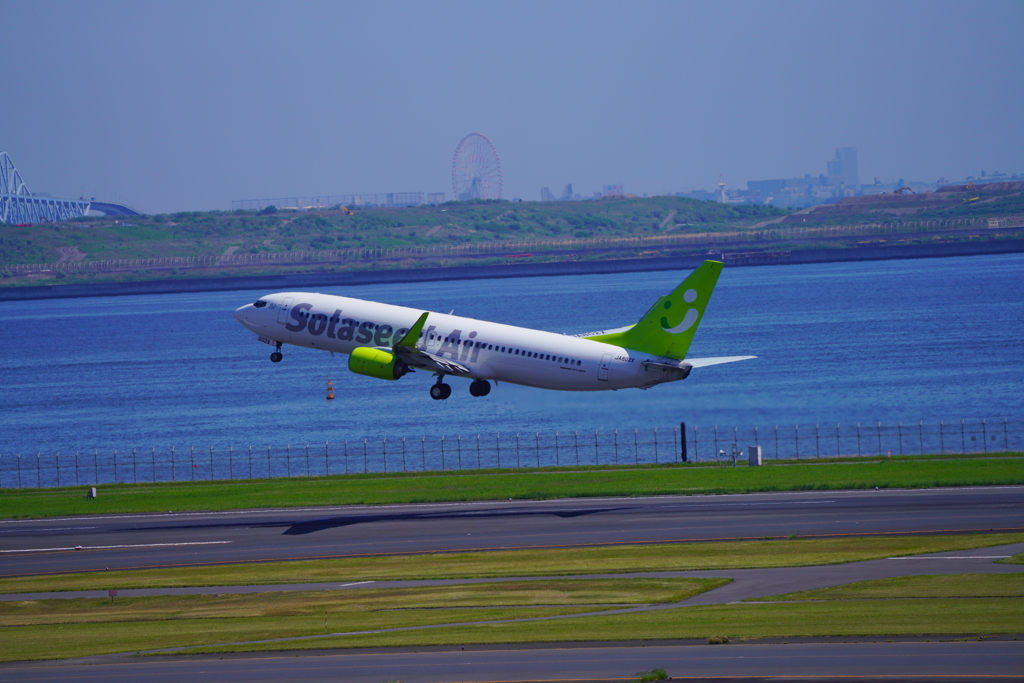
(689,320)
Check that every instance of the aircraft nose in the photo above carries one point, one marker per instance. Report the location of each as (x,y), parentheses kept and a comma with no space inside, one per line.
(240,313)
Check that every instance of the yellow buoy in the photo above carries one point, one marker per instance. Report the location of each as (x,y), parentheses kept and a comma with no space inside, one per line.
(330,390)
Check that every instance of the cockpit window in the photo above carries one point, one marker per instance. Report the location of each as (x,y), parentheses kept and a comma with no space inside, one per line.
(259,304)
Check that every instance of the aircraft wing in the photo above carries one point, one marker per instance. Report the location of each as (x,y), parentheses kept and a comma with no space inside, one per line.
(705,362)
(418,358)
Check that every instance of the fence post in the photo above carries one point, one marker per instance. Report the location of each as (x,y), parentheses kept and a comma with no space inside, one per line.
(963,442)
(423,454)
(837,440)
(115,467)
(231,462)
(403,454)
(76,468)
(307,459)
(19,470)
(984,435)
(636,447)
(192,461)
(557,461)
(211,463)
(858,439)
(384,450)
(597,456)
(250,462)
(95,466)
(899,431)
(942,442)
(365,468)
(479,466)
(796,440)
(345,454)
(458,449)
(817,447)
(57,461)
(920,435)
(269,467)
(1006,438)
(576,444)
(879,428)
(442,452)
(616,446)
(135,469)
(536,437)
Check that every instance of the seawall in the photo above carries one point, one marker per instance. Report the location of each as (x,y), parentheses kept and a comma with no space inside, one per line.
(283,282)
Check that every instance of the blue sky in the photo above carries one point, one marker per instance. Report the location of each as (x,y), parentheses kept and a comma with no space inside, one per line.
(188,105)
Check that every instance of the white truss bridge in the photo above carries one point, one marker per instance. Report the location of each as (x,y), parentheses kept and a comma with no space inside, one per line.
(18,206)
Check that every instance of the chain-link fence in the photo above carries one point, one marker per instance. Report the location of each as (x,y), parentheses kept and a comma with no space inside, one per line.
(517,450)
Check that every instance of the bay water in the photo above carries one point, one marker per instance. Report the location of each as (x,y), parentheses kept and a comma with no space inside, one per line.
(931,339)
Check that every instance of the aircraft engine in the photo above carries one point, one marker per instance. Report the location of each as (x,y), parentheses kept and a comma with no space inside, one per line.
(376,363)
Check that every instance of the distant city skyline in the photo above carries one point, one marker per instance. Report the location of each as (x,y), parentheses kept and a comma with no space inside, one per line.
(190,105)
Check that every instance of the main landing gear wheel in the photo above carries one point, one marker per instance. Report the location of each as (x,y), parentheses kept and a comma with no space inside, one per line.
(440,391)
(480,387)
(276,357)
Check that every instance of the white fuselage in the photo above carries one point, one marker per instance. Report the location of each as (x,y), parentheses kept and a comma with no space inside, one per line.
(491,351)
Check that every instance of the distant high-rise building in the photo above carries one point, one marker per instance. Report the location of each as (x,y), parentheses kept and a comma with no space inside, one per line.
(567,193)
(545,195)
(845,165)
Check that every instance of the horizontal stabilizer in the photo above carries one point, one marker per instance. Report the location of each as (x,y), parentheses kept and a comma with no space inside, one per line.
(705,362)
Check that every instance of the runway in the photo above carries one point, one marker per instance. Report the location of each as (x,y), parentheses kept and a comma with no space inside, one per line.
(874,661)
(201,538)
(176,539)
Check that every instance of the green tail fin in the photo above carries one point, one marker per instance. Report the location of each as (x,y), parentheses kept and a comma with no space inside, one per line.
(668,328)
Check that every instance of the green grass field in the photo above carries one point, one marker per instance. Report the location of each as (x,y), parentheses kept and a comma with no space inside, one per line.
(940,617)
(928,605)
(938,586)
(534,484)
(78,627)
(532,562)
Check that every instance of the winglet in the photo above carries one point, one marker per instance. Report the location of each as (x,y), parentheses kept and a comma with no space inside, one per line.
(413,335)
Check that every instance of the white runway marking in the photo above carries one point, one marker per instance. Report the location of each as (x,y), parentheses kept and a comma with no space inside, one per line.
(956,557)
(108,547)
(63,528)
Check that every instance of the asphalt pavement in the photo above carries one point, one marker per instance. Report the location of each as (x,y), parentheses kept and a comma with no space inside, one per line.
(201,538)
(992,661)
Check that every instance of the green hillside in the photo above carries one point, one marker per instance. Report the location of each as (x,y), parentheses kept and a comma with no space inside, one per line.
(210,233)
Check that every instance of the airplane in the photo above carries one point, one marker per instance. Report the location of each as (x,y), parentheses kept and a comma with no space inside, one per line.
(388,342)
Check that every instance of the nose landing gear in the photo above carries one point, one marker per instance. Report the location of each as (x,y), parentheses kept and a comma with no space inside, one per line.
(479,387)
(276,356)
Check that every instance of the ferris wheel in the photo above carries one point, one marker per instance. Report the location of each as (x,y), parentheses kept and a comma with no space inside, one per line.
(476,170)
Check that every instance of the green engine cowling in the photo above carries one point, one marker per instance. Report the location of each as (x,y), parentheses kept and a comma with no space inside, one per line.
(376,363)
